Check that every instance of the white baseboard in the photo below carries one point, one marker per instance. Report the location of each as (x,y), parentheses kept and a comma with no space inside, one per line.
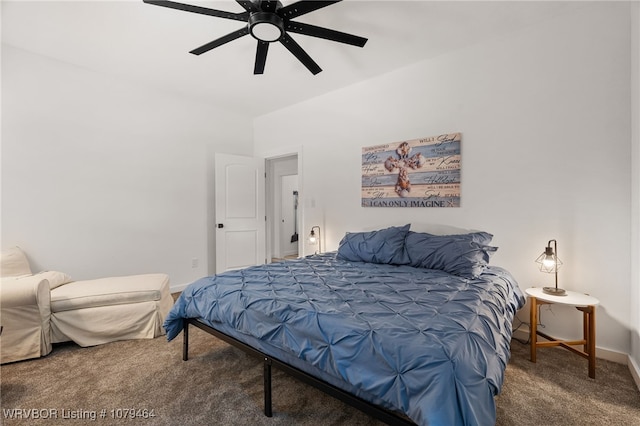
(614,356)
(608,354)
(521,335)
(635,371)
(177,288)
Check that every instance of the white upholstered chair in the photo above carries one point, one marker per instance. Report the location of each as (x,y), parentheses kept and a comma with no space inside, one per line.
(37,310)
(25,309)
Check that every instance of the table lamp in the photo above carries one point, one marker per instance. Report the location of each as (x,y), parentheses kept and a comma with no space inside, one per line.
(315,238)
(550,263)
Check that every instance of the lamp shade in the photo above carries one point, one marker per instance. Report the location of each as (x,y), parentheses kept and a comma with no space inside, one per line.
(550,264)
(315,238)
(549,261)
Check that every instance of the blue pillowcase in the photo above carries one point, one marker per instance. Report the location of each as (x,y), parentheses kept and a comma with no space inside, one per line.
(479,237)
(465,255)
(382,246)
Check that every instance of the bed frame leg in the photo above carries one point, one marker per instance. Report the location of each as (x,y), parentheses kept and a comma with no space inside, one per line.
(185,340)
(267,388)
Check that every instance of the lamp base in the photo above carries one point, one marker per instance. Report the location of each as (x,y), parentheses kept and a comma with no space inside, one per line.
(554,291)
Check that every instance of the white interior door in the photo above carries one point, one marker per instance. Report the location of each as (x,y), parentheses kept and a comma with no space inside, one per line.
(240,212)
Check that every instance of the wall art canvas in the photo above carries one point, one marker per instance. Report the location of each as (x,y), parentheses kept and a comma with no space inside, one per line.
(416,173)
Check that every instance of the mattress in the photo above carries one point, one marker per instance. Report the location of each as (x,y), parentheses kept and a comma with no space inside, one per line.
(423,342)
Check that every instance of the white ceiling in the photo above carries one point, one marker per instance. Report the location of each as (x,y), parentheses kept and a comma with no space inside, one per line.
(149,44)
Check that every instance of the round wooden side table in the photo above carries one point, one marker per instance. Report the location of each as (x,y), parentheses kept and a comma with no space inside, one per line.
(582,302)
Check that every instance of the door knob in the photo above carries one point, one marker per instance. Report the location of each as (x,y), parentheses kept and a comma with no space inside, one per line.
(220,225)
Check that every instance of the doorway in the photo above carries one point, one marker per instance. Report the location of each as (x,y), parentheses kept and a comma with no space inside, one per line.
(283,208)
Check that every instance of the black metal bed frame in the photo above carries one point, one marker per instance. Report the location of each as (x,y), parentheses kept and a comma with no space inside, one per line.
(373,410)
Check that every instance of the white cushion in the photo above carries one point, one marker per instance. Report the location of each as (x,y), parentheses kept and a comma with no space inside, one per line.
(109,291)
(14,263)
(55,278)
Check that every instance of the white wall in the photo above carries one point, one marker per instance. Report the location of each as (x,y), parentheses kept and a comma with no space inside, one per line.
(102,177)
(545,122)
(635,211)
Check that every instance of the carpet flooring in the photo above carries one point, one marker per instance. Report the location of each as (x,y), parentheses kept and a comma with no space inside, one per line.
(145,382)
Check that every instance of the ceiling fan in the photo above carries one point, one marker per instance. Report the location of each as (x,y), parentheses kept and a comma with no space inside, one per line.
(268,22)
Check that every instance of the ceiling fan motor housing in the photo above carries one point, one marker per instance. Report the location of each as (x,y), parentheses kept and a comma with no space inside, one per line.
(266,26)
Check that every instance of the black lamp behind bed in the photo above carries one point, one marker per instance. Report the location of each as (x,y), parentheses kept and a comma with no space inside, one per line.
(550,263)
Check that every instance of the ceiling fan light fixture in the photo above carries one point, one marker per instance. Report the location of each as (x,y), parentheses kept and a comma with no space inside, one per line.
(269,21)
(265,26)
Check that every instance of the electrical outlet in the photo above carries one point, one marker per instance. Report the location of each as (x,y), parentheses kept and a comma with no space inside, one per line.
(194,262)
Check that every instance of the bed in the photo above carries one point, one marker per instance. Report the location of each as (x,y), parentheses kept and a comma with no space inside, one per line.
(413,327)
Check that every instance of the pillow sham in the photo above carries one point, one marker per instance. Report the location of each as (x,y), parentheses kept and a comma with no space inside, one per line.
(381,246)
(458,255)
(479,237)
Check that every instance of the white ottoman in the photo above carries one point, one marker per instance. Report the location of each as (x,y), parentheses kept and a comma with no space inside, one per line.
(99,311)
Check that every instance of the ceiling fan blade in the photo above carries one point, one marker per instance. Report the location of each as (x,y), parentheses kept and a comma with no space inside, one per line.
(326,33)
(247,5)
(261,57)
(220,41)
(302,7)
(299,53)
(268,5)
(201,10)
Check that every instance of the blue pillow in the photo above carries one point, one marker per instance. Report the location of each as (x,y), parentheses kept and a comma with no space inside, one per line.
(479,237)
(463,255)
(382,246)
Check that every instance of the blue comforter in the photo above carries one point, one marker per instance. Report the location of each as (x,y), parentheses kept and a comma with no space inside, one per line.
(431,345)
